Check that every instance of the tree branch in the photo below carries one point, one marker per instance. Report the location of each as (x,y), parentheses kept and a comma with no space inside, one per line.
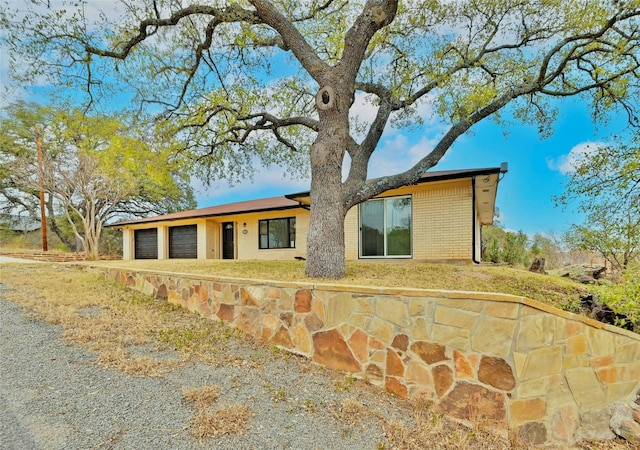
(231,14)
(291,38)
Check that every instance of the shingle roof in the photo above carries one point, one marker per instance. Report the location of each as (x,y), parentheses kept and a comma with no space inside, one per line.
(436,175)
(290,201)
(265,204)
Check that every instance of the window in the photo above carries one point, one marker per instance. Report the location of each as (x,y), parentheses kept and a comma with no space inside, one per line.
(278,233)
(385,228)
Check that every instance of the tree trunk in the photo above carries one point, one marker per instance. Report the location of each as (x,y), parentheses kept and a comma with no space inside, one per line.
(53,224)
(91,250)
(325,240)
(91,241)
(537,265)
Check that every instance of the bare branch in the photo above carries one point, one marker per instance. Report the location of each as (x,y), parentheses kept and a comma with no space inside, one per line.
(231,14)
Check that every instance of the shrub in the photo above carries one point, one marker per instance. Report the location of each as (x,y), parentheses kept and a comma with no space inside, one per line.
(624,297)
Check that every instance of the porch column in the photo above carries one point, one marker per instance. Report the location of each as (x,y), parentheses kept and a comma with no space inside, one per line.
(163,242)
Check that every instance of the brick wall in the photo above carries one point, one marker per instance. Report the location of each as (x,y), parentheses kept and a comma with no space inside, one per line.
(549,376)
(441,219)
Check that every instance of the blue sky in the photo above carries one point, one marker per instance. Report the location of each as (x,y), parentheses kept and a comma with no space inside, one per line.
(537,167)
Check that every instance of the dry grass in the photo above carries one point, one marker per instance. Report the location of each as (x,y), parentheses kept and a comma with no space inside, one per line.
(120,359)
(229,420)
(353,412)
(550,289)
(425,429)
(202,397)
(112,321)
(115,322)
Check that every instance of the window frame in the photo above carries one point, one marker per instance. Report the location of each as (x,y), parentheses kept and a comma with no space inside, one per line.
(384,231)
(291,232)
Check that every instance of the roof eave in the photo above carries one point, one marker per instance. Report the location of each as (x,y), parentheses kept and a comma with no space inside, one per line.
(428,177)
(203,216)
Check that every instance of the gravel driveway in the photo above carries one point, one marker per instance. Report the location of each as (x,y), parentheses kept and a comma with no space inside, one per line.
(55,396)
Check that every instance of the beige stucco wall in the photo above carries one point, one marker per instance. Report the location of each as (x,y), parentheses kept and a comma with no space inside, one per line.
(213,240)
(127,243)
(247,243)
(203,242)
(128,239)
(478,241)
(163,242)
(204,238)
(209,234)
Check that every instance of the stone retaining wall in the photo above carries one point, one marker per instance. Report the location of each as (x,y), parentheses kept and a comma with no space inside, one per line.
(545,374)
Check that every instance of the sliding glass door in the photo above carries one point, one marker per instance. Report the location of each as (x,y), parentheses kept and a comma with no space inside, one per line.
(385,228)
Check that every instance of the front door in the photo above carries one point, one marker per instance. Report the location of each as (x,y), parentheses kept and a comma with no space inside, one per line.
(228,247)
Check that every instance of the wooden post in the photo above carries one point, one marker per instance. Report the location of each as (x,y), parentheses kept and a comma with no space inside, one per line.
(43,216)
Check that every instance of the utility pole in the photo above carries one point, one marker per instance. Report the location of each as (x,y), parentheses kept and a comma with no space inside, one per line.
(43,216)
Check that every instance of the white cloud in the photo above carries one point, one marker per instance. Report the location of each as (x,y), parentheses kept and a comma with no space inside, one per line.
(424,107)
(267,182)
(398,149)
(398,153)
(363,108)
(421,148)
(390,157)
(566,164)
(363,113)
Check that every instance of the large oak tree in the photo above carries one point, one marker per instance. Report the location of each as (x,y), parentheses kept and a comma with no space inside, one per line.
(276,81)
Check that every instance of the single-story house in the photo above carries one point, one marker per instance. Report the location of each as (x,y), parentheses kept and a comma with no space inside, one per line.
(437,219)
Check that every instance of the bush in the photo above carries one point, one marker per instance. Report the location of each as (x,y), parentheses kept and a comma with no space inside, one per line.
(111,242)
(492,251)
(514,248)
(624,297)
(501,246)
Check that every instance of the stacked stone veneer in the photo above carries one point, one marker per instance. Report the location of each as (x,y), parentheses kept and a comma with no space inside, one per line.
(545,374)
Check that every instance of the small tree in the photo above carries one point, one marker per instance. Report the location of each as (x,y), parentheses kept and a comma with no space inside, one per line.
(606,184)
(505,246)
(515,248)
(613,234)
(492,237)
(545,246)
(280,81)
(624,297)
(94,169)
